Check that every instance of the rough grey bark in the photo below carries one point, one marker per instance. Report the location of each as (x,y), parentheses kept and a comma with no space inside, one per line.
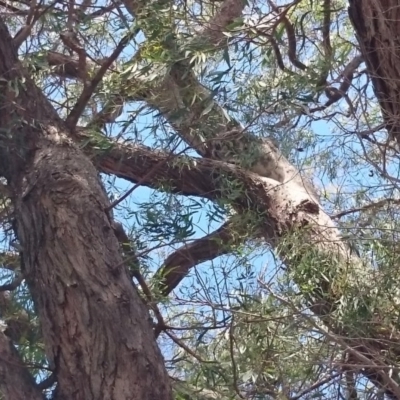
(96,329)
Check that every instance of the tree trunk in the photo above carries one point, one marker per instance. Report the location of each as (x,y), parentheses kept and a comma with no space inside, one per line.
(376,23)
(96,329)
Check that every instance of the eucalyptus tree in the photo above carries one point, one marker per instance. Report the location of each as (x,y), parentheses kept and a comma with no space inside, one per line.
(249,104)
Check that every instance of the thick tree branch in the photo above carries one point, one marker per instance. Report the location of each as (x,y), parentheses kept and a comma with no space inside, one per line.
(190,176)
(180,174)
(16,382)
(205,178)
(177,265)
(326,43)
(290,33)
(346,77)
(202,177)
(64,66)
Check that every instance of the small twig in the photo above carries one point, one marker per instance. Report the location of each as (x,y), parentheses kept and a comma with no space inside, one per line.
(13,284)
(33,16)
(186,348)
(315,385)
(233,361)
(376,204)
(389,382)
(16,10)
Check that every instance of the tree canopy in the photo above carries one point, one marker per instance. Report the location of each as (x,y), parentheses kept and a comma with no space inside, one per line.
(199,199)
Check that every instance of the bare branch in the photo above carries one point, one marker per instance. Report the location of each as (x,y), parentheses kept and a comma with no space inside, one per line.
(181,344)
(103,10)
(374,206)
(88,91)
(290,33)
(48,382)
(316,385)
(24,32)
(15,10)
(132,162)
(326,43)
(130,254)
(346,76)
(36,11)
